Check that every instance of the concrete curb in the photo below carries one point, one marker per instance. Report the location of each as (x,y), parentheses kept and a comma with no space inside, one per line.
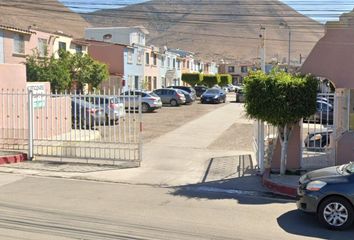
(277,187)
(13,158)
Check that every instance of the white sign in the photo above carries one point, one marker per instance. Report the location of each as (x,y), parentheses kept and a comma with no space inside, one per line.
(38,90)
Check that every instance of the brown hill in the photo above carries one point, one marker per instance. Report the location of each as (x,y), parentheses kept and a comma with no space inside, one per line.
(48,15)
(223,29)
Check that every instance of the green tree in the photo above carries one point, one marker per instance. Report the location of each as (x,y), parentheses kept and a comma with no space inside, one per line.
(192,78)
(62,71)
(280,99)
(210,80)
(225,79)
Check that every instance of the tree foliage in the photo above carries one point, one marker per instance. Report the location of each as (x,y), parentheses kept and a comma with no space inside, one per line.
(210,80)
(192,78)
(62,71)
(279,98)
(225,79)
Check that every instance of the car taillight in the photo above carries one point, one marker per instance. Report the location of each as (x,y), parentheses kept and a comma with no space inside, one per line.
(112,106)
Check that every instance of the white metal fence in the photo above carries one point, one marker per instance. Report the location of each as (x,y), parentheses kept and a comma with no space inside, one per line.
(99,126)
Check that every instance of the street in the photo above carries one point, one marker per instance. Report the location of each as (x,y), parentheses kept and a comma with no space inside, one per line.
(44,208)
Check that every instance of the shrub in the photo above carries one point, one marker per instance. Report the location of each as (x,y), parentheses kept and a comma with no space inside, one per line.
(192,78)
(210,80)
(225,79)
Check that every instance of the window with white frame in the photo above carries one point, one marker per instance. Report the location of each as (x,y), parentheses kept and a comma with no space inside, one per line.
(19,44)
(147,58)
(130,56)
(42,47)
(139,57)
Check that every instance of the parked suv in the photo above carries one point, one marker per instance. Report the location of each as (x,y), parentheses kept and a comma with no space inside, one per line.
(149,100)
(190,90)
(200,90)
(170,96)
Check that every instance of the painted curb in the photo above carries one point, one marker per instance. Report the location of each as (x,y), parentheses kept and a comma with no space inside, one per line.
(278,188)
(15,158)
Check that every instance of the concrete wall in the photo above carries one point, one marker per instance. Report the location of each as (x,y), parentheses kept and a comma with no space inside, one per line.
(1,47)
(12,76)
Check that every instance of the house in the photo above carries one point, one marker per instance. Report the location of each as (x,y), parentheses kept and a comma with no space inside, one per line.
(151,68)
(170,68)
(237,70)
(112,55)
(66,42)
(134,54)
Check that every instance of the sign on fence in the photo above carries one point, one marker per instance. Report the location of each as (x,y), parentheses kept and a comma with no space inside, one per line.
(38,90)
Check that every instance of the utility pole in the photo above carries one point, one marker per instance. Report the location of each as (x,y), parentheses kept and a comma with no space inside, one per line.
(260,124)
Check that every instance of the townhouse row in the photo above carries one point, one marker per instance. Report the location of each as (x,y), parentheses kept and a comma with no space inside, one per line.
(131,62)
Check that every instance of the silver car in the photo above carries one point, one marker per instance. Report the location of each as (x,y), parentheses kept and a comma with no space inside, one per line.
(171,96)
(113,108)
(149,101)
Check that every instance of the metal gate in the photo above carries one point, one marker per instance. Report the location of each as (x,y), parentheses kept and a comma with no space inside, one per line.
(318,131)
(102,127)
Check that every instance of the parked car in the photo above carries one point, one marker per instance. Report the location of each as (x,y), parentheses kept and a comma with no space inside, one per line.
(199,90)
(112,106)
(317,141)
(240,95)
(225,88)
(190,90)
(329,193)
(86,114)
(324,113)
(189,98)
(213,95)
(149,100)
(170,96)
(231,87)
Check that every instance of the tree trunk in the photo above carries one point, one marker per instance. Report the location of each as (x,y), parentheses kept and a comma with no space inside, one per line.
(284,133)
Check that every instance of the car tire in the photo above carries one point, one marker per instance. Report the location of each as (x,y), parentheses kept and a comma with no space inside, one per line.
(174,103)
(336,213)
(145,107)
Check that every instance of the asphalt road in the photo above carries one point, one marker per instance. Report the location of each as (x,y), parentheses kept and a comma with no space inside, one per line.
(45,208)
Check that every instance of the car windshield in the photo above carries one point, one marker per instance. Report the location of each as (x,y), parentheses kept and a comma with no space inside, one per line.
(212,91)
(350,167)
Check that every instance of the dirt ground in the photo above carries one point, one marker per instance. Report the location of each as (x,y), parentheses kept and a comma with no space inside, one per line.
(168,118)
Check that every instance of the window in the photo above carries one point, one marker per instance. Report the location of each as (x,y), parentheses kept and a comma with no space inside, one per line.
(154,59)
(178,64)
(78,49)
(139,56)
(187,64)
(168,62)
(174,63)
(231,69)
(162,61)
(184,64)
(42,47)
(147,58)
(244,69)
(62,46)
(19,44)
(130,56)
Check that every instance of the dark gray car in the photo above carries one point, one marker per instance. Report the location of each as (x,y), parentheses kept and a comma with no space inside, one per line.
(85,114)
(329,192)
(189,90)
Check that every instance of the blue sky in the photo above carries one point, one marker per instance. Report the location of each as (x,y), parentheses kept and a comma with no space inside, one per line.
(320,10)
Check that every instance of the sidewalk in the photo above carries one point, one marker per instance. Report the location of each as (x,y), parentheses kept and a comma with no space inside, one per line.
(284,185)
(181,157)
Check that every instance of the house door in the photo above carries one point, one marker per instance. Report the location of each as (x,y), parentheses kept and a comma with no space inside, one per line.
(1,47)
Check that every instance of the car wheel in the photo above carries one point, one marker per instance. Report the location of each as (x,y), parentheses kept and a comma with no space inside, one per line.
(173,102)
(335,213)
(145,107)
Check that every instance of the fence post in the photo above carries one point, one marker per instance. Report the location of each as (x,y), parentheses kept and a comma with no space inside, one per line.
(261,146)
(140,130)
(30,125)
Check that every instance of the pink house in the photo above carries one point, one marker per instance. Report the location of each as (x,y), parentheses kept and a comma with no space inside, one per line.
(151,70)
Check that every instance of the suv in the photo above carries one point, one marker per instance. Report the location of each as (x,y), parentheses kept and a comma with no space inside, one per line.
(190,90)
(149,100)
(200,90)
(170,96)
